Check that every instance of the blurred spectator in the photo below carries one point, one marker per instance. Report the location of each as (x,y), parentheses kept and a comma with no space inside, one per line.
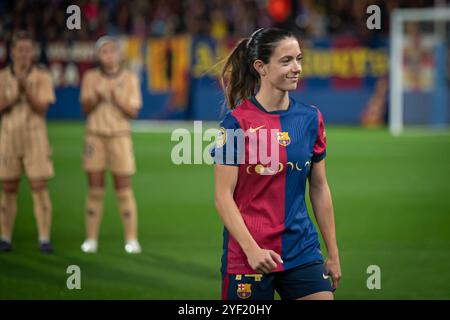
(46,19)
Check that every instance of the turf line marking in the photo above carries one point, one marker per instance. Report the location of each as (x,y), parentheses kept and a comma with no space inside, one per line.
(167,126)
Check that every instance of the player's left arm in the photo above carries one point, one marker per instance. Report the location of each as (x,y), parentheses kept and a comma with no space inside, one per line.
(41,98)
(130,101)
(320,195)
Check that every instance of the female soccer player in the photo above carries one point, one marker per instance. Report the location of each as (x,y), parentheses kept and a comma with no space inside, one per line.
(110,96)
(26,92)
(270,242)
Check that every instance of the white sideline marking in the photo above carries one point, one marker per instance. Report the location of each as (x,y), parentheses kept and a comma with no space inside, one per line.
(167,126)
(419,132)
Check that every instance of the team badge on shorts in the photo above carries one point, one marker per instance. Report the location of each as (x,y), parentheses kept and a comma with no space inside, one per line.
(283,138)
(244,290)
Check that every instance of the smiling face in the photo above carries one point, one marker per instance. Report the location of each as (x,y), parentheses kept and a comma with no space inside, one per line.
(284,67)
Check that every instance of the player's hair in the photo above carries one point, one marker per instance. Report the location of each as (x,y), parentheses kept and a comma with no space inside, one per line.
(103,40)
(239,78)
(19,36)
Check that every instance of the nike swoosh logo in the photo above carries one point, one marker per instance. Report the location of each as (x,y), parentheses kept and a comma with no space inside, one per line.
(252,130)
(325,276)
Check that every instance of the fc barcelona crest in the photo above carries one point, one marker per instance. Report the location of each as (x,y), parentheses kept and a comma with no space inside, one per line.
(244,290)
(283,138)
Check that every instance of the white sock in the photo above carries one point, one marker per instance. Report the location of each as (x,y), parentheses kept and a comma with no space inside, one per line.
(43,240)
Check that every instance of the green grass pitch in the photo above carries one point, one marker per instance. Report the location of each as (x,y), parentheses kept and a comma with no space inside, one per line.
(391,199)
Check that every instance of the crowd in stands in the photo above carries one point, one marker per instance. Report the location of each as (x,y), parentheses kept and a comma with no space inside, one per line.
(46,20)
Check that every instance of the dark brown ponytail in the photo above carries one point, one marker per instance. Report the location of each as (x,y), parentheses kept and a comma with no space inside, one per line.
(239,81)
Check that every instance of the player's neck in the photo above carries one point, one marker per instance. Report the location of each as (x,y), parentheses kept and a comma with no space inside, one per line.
(111,70)
(273,100)
(21,68)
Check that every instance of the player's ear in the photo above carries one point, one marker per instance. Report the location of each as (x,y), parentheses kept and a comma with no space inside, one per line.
(259,67)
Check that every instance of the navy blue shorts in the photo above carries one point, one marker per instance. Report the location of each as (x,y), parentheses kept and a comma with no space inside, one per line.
(290,284)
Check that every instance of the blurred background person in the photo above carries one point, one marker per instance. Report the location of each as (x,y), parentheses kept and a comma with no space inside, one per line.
(110,96)
(26,92)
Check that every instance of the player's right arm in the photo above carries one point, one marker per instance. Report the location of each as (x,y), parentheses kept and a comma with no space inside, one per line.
(89,98)
(9,94)
(227,155)
(260,260)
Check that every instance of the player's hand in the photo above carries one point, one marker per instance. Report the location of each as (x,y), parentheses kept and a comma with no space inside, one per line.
(333,267)
(114,96)
(92,100)
(262,260)
(117,96)
(100,93)
(22,81)
(12,94)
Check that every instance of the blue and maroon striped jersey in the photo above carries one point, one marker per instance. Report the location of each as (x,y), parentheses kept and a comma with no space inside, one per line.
(271,198)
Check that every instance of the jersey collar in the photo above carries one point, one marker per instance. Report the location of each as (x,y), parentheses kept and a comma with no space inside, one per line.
(255,102)
(111,75)
(11,69)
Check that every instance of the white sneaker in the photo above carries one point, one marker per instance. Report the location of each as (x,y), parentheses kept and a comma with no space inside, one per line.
(89,246)
(133,246)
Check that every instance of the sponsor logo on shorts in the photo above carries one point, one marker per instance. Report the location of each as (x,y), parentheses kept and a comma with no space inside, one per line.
(257,276)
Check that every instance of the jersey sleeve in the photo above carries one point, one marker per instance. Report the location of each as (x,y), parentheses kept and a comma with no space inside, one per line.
(229,144)
(320,146)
